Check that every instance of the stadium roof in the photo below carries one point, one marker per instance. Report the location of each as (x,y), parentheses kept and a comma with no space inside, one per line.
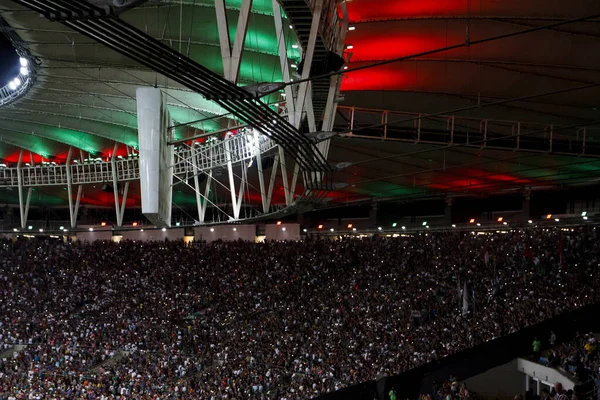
(537,79)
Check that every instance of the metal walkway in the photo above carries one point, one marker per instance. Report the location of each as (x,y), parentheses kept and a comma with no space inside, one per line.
(454,130)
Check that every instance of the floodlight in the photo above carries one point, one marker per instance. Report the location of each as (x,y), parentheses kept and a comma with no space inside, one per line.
(23,61)
(24,71)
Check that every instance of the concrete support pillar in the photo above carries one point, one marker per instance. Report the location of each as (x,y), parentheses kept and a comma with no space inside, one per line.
(526,205)
(539,387)
(448,211)
(373,215)
(527,380)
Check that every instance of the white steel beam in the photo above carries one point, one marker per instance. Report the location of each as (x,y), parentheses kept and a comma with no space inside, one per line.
(240,38)
(204,206)
(197,183)
(231,180)
(308,58)
(23,208)
(76,209)
(241,194)
(73,219)
(224,40)
(310,113)
(118,208)
(123,203)
(261,176)
(272,181)
(232,58)
(283,59)
(284,177)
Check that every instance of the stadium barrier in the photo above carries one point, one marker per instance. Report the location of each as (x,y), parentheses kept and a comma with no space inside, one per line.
(475,360)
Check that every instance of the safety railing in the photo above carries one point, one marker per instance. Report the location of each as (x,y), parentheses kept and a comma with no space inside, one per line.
(466,131)
(242,147)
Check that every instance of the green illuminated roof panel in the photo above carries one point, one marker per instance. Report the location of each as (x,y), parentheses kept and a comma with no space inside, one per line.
(38,145)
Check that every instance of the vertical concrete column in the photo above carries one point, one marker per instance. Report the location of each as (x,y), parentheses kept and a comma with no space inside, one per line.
(373,215)
(526,205)
(448,211)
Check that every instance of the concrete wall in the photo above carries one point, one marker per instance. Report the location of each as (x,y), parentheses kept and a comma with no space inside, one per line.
(153,234)
(502,382)
(226,232)
(282,232)
(547,375)
(87,236)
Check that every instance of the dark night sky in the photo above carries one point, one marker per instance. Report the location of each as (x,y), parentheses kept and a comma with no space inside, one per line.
(9,61)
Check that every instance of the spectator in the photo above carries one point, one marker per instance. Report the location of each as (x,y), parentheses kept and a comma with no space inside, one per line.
(274,320)
(560,393)
(552,339)
(537,348)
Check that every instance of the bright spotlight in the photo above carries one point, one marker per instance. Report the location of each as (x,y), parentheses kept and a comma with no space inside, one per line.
(17,82)
(12,85)
(23,61)
(164,229)
(24,71)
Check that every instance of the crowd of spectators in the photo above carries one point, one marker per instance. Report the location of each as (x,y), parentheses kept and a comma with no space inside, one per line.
(579,357)
(236,320)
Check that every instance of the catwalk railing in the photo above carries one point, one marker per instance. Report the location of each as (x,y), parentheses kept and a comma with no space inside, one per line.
(209,156)
(457,130)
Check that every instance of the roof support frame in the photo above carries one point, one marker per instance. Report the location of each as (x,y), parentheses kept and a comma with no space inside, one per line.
(232,58)
(73,210)
(23,203)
